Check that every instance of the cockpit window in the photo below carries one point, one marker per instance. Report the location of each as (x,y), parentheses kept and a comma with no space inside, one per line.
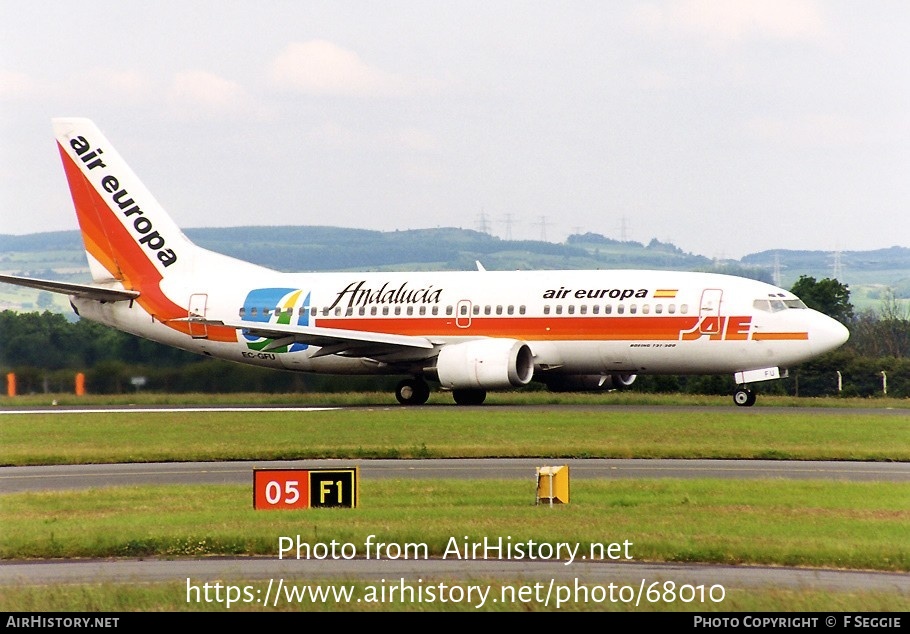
(776,305)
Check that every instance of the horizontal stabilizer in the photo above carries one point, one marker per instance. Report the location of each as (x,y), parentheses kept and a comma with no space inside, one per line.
(85,291)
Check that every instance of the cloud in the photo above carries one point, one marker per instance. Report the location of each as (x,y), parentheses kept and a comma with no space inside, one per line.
(414,140)
(196,93)
(114,84)
(817,131)
(735,20)
(318,67)
(15,85)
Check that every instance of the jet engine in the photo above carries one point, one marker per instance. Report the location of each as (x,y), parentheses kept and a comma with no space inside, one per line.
(588,382)
(485,364)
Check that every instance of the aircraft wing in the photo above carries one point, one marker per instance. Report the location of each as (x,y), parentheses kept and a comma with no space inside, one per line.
(87,291)
(338,341)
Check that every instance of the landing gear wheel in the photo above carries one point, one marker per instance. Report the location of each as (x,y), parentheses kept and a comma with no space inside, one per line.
(469,397)
(744,397)
(412,392)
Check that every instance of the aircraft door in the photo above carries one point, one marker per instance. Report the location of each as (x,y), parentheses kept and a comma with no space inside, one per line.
(709,318)
(463,313)
(197,311)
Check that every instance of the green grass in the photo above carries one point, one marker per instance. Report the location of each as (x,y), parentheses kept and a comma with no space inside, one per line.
(453,432)
(387,399)
(771,522)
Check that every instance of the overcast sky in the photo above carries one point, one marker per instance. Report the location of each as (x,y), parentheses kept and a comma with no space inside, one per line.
(724,127)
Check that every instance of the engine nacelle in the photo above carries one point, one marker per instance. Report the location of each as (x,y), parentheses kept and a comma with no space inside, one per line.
(588,382)
(485,364)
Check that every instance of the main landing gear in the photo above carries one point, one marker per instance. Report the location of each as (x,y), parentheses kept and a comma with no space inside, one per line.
(416,392)
(412,392)
(743,396)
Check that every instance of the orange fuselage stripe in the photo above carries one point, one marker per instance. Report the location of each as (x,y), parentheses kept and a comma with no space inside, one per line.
(629,328)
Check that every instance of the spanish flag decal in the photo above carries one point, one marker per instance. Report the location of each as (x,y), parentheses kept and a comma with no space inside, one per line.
(665,293)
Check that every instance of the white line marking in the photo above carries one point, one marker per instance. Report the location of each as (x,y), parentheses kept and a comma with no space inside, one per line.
(146,410)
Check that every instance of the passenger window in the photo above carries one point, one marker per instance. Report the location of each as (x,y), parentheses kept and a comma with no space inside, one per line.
(633,309)
(546,309)
(499,310)
(487,309)
(510,310)
(410,310)
(242,311)
(620,309)
(476,310)
(398,310)
(583,309)
(595,309)
(658,308)
(385,310)
(608,309)
(373,311)
(645,309)
(559,309)
(521,310)
(684,308)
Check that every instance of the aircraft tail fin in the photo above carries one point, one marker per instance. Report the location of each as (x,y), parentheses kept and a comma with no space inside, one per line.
(128,235)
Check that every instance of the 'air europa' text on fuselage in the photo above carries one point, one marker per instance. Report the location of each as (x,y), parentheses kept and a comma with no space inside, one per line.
(595,293)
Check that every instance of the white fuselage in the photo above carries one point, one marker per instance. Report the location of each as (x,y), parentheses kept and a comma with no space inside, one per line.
(575,322)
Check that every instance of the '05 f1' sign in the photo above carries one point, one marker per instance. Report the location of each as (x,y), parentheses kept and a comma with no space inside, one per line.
(305,488)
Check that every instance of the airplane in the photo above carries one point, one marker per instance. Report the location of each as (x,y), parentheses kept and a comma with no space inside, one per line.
(470,332)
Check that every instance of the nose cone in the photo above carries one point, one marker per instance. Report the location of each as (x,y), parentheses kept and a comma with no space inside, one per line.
(828,334)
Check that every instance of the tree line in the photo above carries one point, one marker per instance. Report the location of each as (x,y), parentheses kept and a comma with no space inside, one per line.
(45,350)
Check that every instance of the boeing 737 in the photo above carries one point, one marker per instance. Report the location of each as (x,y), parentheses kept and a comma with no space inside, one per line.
(467,331)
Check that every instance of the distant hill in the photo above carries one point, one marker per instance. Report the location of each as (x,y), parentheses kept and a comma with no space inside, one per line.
(60,255)
(867,273)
